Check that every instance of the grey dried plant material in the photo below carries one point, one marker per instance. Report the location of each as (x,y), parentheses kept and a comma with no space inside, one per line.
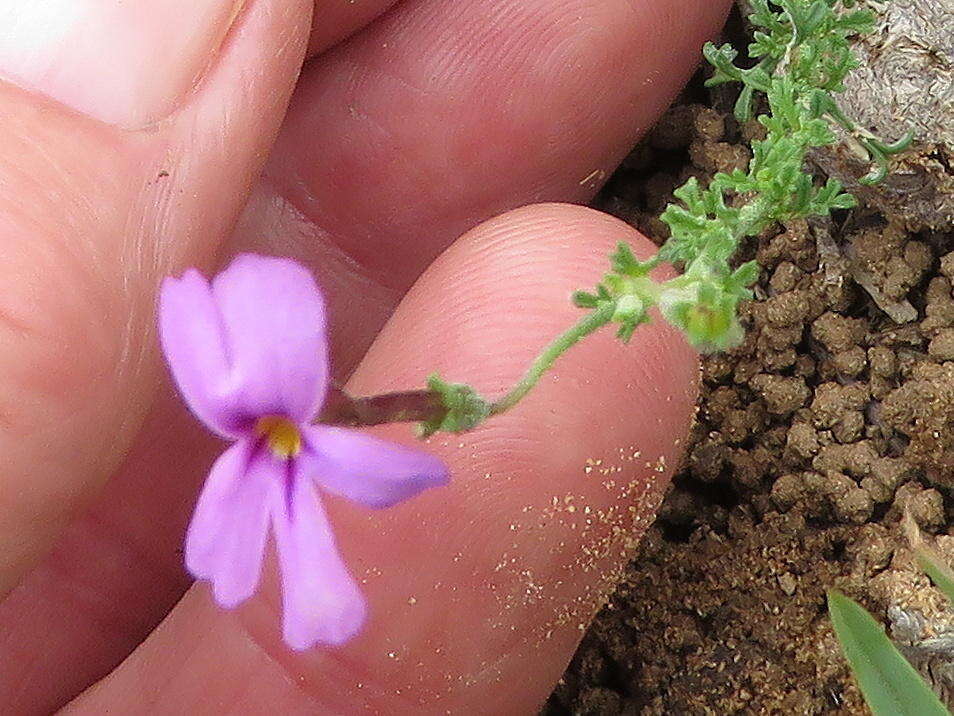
(839,262)
(922,624)
(905,81)
(932,656)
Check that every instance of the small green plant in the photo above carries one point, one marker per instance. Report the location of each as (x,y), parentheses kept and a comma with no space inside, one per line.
(802,54)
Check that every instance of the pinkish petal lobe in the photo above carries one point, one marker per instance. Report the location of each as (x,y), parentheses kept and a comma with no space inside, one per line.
(193,341)
(274,321)
(226,538)
(322,603)
(366,469)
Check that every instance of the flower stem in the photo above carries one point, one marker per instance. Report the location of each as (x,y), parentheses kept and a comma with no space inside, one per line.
(587,325)
(404,407)
(425,406)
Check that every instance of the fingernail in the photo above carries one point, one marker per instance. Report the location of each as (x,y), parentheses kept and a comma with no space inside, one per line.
(125,62)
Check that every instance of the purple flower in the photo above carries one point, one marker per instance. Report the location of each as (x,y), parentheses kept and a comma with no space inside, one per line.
(250,356)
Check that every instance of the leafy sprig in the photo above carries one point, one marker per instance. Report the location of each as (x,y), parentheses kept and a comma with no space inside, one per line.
(799,58)
(807,42)
(803,56)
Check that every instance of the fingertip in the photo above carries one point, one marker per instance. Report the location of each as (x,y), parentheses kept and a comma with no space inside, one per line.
(477,592)
(547,500)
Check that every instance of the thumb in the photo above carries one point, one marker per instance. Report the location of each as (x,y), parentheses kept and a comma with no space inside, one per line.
(478,592)
(131,133)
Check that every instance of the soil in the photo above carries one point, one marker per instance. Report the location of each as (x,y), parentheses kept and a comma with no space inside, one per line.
(814,439)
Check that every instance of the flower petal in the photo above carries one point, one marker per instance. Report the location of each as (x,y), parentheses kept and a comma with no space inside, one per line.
(274,321)
(322,603)
(368,470)
(193,340)
(226,538)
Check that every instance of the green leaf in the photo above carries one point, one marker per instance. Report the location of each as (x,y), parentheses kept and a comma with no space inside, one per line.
(625,332)
(623,259)
(680,220)
(625,263)
(817,13)
(743,105)
(890,685)
(937,569)
(721,58)
(583,299)
(896,147)
(746,274)
(928,557)
(843,201)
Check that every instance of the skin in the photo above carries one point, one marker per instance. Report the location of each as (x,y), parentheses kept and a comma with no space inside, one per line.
(393,165)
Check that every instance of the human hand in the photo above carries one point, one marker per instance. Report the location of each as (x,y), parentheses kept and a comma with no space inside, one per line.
(425,122)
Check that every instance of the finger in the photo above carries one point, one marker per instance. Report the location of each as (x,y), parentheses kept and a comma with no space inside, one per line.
(114,550)
(115,167)
(478,592)
(333,21)
(439,116)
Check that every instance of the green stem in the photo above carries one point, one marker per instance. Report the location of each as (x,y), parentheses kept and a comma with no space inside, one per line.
(587,325)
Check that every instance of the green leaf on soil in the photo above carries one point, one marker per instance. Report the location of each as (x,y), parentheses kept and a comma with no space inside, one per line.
(937,569)
(928,558)
(890,685)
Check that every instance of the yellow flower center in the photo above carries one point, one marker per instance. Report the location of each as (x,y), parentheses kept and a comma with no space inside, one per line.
(282,435)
